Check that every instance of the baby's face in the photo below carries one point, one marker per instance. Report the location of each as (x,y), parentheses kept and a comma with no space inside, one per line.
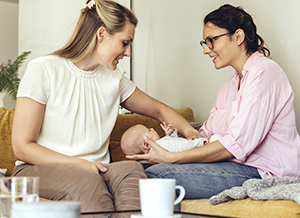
(151,133)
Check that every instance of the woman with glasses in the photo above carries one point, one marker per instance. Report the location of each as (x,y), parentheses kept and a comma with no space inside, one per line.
(253,111)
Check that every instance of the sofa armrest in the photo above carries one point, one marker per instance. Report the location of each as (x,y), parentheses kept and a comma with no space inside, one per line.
(7,159)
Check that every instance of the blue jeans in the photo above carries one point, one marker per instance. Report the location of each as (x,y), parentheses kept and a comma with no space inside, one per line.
(203,180)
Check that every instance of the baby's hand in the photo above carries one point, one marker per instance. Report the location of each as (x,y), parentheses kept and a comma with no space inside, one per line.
(167,128)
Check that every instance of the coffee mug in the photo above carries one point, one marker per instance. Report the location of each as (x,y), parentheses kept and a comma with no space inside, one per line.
(157,197)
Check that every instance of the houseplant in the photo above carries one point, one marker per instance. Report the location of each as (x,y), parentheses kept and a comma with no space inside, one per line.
(9,77)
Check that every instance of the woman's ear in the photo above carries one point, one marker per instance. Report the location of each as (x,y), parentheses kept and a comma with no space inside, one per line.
(239,36)
(101,32)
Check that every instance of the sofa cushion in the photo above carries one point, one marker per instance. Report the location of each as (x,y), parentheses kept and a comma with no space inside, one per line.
(6,154)
(243,208)
(116,153)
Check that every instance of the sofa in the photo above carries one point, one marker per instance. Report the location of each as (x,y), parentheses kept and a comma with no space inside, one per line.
(233,208)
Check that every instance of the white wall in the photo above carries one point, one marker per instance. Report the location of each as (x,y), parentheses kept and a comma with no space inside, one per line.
(45,26)
(8,36)
(168,62)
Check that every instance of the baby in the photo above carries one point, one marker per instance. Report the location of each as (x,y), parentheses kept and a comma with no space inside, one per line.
(132,141)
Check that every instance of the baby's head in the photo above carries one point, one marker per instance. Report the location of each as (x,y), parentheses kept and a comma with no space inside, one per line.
(132,141)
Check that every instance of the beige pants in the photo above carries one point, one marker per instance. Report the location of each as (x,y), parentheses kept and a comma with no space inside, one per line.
(117,189)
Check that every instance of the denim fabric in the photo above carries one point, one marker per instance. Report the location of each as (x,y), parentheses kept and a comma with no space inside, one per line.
(203,180)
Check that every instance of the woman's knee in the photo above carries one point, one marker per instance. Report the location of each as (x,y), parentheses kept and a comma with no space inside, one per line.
(90,189)
(132,166)
(125,185)
(122,173)
(160,170)
(122,169)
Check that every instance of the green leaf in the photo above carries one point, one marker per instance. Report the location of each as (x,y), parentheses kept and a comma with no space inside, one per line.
(9,78)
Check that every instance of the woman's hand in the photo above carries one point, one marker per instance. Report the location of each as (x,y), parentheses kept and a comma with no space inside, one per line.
(194,134)
(157,155)
(97,167)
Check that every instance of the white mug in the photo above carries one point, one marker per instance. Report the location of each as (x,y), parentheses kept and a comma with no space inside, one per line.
(157,197)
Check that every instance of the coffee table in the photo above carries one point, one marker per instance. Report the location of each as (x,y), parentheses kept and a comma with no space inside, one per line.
(137,213)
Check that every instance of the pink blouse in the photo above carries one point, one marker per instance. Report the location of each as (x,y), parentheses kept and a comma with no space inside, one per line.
(258,119)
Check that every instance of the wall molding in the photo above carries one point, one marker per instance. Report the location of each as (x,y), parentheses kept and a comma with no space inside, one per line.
(10,1)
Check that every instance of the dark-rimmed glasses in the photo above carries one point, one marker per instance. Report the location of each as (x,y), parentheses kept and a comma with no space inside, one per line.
(209,41)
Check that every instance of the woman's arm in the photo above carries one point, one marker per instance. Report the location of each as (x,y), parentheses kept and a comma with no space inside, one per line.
(28,119)
(212,152)
(141,103)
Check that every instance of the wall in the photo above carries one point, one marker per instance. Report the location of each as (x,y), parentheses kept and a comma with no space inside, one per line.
(45,27)
(8,36)
(168,62)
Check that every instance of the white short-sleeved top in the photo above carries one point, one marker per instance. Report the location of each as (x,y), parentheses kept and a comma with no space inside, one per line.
(81,106)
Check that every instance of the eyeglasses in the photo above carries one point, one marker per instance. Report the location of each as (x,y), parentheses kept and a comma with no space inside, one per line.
(209,41)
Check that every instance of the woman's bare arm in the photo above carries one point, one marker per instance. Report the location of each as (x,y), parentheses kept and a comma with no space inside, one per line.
(28,119)
(142,103)
(211,152)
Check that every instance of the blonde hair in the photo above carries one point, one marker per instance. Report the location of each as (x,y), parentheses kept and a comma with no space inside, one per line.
(104,13)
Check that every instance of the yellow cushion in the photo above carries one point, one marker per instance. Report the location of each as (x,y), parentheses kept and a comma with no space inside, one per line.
(116,153)
(7,159)
(243,208)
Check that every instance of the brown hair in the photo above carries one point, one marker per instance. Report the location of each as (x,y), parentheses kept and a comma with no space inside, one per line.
(104,13)
(233,18)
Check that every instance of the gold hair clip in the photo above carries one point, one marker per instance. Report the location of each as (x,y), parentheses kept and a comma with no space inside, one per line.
(91,4)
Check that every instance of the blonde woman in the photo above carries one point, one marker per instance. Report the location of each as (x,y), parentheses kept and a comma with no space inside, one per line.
(67,106)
